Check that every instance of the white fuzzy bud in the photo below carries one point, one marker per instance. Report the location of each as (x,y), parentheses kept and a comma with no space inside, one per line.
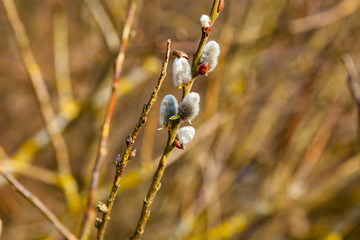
(189,107)
(168,108)
(205,21)
(210,54)
(181,71)
(185,134)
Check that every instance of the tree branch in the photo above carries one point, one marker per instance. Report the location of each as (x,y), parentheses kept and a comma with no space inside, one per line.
(67,181)
(156,182)
(37,203)
(121,164)
(90,211)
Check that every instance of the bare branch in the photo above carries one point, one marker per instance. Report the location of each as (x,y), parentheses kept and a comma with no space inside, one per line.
(37,203)
(308,23)
(325,18)
(90,211)
(120,166)
(105,24)
(67,181)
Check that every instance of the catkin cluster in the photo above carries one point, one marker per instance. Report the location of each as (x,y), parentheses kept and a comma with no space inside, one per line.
(189,107)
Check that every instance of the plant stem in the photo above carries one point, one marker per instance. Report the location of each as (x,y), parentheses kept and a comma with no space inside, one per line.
(196,57)
(37,203)
(155,185)
(156,182)
(120,167)
(90,211)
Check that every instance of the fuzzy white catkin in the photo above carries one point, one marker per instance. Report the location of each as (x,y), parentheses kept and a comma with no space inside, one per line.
(185,134)
(189,107)
(205,21)
(181,71)
(210,54)
(168,108)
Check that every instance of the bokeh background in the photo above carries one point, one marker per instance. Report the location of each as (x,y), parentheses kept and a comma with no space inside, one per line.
(276,153)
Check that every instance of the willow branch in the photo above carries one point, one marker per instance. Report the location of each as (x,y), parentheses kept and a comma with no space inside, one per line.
(67,181)
(90,211)
(156,182)
(37,203)
(204,37)
(121,164)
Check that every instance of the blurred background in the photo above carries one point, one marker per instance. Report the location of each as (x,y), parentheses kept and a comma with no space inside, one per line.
(275,155)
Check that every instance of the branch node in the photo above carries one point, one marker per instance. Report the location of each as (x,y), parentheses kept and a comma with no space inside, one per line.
(116,160)
(101,207)
(98,222)
(132,154)
(129,140)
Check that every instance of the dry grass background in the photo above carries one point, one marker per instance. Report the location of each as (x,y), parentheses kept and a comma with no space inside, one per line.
(276,151)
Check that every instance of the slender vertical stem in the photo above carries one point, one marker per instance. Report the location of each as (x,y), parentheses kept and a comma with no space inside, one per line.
(120,167)
(90,211)
(155,185)
(37,203)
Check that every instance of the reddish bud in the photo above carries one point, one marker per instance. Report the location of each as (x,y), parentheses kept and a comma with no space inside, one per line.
(220,6)
(179,145)
(203,68)
(180,54)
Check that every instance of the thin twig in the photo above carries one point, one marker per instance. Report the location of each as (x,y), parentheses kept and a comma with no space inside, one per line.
(204,37)
(156,182)
(301,25)
(67,181)
(325,18)
(104,22)
(120,166)
(1,223)
(353,84)
(38,173)
(38,204)
(155,186)
(90,209)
